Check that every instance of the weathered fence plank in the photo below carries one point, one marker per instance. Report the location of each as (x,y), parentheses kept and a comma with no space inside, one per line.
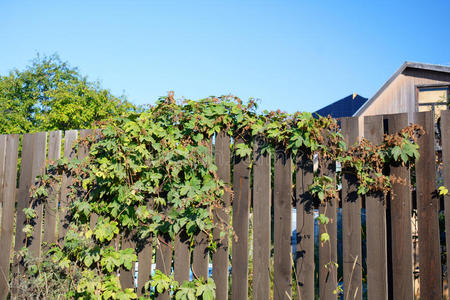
(127,276)
(51,207)
(70,137)
(445,136)
(2,165)
(282,202)
(39,154)
(328,251)
(305,228)
(145,260)
(22,198)
(400,266)
(10,145)
(164,260)
(428,211)
(200,256)
(241,206)
(220,256)
(351,219)
(182,258)
(33,159)
(377,287)
(261,220)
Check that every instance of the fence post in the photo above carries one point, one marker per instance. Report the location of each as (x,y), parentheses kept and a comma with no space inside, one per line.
(328,251)
(70,137)
(400,263)
(428,212)
(305,228)
(261,220)
(220,257)
(445,123)
(51,207)
(351,219)
(241,206)
(377,287)
(282,202)
(10,145)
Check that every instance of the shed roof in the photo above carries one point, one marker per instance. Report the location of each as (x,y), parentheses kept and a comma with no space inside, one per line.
(403,67)
(346,107)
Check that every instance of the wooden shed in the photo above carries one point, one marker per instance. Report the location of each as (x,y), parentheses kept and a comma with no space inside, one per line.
(414,87)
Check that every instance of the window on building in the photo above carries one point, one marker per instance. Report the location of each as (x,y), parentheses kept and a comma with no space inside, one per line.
(434,99)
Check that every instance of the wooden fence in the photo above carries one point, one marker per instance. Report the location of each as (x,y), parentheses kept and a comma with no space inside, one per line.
(376,255)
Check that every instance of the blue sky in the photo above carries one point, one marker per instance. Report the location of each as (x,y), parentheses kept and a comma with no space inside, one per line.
(293,55)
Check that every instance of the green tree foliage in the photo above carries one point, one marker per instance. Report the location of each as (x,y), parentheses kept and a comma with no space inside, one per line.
(50,94)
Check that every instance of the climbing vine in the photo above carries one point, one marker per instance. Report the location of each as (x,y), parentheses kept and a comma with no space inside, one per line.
(151,175)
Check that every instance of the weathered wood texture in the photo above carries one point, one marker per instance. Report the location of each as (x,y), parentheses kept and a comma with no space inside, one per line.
(398,95)
(2,163)
(70,137)
(200,254)
(241,206)
(182,257)
(39,155)
(401,267)
(51,207)
(33,161)
(127,276)
(282,202)
(445,123)
(351,220)
(261,220)
(377,287)
(9,149)
(145,260)
(328,252)
(305,228)
(428,212)
(221,216)
(164,260)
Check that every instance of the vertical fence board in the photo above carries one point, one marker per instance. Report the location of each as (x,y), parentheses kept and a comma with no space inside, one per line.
(428,212)
(22,198)
(182,257)
(376,224)
(83,149)
(39,155)
(445,123)
(282,202)
(10,145)
(220,256)
(400,222)
(145,260)
(241,205)
(51,207)
(261,220)
(328,251)
(305,228)
(200,254)
(2,167)
(30,166)
(70,137)
(351,219)
(127,276)
(164,260)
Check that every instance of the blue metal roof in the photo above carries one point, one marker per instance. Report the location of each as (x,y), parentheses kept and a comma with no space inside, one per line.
(346,107)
